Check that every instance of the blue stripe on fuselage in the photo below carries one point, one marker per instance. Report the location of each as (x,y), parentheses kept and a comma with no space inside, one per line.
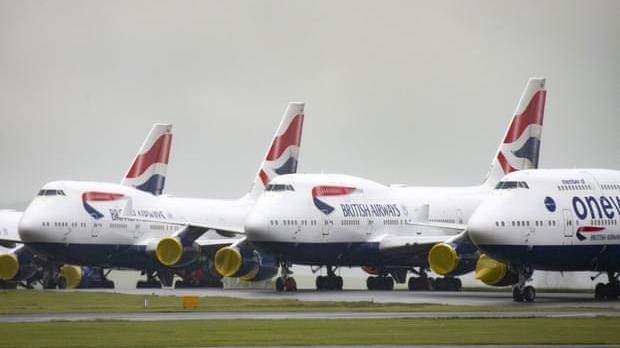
(337,254)
(558,257)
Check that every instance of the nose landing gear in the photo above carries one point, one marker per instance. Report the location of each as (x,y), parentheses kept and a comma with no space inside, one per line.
(284,282)
(521,292)
(610,290)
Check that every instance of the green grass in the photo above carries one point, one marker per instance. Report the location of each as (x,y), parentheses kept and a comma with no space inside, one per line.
(311,332)
(36,301)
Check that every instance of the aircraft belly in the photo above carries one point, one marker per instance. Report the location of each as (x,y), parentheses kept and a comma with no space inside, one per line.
(104,255)
(559,257)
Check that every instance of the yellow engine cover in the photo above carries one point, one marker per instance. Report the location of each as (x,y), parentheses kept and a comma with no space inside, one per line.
(490,271)
(169,251)
(9,266)
(72,275)
(228,261)
(443,259)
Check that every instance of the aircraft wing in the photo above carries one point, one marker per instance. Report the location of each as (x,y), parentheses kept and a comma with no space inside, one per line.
(211,244)
(420,240)
(9,235)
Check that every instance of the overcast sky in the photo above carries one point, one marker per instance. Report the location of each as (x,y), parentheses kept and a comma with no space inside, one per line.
(416,92)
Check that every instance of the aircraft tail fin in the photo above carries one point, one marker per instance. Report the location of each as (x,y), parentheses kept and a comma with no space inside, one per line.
(520,147)
(283,153)
(148,170)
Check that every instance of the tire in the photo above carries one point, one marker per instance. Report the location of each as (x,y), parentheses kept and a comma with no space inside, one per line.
(320,283)
(290,284)
(370,283)
(600,291)
(517,294)
(339,283)
(279,284)
(529,293)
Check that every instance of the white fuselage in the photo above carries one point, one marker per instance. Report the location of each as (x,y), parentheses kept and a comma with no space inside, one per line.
(559,220)
(70,227)
(321,219)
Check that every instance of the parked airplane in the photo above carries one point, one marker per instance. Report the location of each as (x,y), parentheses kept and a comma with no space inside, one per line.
(338,220)
(553,220)
(129,226)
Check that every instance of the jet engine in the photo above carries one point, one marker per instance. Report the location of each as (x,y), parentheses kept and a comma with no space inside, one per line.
(245,263)
(70,277)
(452,258)
(495,273)
(17,266)
(170,252)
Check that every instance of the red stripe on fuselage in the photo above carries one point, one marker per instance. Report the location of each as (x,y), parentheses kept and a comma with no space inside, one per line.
(533,114)
(292,136)
(158,153)
(590,229)
(100,196)
(319,191)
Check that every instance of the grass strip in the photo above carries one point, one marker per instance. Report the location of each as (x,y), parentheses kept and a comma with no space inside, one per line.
(38,301)
(204,333)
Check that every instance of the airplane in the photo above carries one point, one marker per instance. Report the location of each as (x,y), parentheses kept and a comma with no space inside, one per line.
(132,226)
(331,221)
(553,220)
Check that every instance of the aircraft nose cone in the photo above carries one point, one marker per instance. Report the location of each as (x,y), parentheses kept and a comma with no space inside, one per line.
(30,229)
(257,227)
(482,229)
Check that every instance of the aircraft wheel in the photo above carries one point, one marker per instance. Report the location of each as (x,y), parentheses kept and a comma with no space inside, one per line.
(62,283)
(290,284)
(320,283)
(370,283)
(529,293)
(458,284)
(279,284)
(600,291)
(517,295)
(339,283)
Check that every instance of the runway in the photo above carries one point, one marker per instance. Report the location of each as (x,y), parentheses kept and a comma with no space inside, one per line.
(467,298)
(175,316)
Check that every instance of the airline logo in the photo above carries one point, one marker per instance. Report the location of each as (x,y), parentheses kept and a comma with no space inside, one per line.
(587,229)
(325,191)
(521,146)
(148,171)
(284,152)
(92,196)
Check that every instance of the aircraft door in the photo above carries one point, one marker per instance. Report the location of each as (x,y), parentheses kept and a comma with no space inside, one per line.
(325,229)
(568,223)
(95,229)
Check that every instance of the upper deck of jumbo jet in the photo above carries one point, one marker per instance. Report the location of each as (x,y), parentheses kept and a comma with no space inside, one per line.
(308,181)
(562,179)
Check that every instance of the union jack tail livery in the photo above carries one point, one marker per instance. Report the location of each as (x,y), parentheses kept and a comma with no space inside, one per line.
(148,170)
(520,148)
(283,153)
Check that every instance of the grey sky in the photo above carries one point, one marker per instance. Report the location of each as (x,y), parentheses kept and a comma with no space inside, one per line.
(415,92)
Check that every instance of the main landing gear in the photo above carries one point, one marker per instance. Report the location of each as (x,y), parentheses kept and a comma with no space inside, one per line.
(329,282)
(425,283)
(520,291)
(284,282)
(382,282)
(155,281)
(608,291)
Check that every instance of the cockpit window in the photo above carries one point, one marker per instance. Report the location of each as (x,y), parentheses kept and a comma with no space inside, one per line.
(279,187)
(51,193)
(506,185)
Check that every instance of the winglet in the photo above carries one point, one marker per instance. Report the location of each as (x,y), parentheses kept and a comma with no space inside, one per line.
(283,153)
(148,170)
(520,147)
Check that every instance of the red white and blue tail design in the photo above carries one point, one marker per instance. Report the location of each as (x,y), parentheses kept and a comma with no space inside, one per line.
(283,153)
(148,170)
(520,148)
